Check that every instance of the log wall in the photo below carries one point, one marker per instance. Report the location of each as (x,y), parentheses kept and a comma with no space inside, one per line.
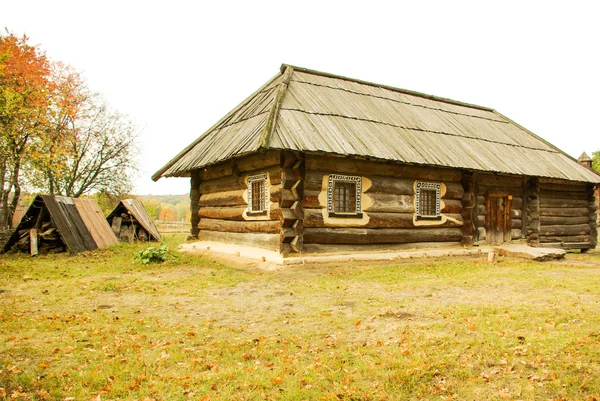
(219,201)
(567,215)
(388,204)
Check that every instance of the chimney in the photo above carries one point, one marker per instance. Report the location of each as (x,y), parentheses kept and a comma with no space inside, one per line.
(585,160)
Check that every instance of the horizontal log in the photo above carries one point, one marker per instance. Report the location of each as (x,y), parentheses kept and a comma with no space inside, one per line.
(452,206)
(251,226)
(313,180)
(392,203)
(565,212)
(311,199)
(266,241)
(562,187)
(579,229)
(516,233)
(380,236)
(562,220)
(341,165)
(480,210)
(236,213)
(454,190)
(492,180)
(223,184)
(224,213)
(516,223)
(242,165)
(233,198)
(226,198)
(562,238)
(517,202)
(568,245)
(233,182)
(552,202)
(516,213)
(314,218)
(392,185)
(564,195)
(349,249)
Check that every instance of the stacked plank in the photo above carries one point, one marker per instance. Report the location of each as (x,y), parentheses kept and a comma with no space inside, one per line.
(391,215)
(219,202)
(567,215)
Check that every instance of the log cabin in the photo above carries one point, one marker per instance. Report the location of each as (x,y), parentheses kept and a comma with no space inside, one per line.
(315,163)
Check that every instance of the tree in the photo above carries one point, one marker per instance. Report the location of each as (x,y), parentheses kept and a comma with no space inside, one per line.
(98,152)
(55,133)
(167,214)
(25,86)
(153,207)
(596,160)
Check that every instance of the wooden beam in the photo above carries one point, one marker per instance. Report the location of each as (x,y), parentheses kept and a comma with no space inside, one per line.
(274,112)
(33,241)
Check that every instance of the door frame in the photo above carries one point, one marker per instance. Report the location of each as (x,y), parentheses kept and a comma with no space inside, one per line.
(501,226)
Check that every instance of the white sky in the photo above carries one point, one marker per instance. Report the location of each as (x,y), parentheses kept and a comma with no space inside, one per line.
(176,67)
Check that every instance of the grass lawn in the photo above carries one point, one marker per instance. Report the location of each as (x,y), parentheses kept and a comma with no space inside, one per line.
(98,326)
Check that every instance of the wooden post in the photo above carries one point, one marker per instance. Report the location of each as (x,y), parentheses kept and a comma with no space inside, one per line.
(524,209)
(531,198)
(194,204)
(33,241)
(593,215)
(468,209)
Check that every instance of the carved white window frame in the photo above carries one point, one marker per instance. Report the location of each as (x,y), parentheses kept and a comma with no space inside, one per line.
(428,186)
(332,179)
(251,180)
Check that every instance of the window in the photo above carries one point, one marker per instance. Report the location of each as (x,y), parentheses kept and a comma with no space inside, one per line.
(258,194)
(343,195)
(428,201)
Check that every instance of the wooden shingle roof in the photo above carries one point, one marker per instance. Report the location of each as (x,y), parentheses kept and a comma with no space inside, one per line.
(311,111)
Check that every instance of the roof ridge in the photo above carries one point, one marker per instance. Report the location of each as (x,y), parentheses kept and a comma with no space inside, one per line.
(395,89)
(269,127)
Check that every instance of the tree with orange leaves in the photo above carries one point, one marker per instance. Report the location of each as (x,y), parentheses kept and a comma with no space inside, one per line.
(55,132)
(25,85)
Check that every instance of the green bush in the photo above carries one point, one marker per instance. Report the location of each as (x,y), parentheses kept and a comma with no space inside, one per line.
(153,255)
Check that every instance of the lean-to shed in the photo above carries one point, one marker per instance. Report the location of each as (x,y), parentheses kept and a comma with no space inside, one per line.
(58,223)
(130,220)
(314,162)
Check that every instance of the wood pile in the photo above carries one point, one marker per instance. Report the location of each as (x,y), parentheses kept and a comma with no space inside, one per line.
(130,222)
(128,229)
(40,241)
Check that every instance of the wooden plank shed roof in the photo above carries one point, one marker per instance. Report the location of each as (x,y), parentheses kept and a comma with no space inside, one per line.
(80,223)
(136,208)
(311,111)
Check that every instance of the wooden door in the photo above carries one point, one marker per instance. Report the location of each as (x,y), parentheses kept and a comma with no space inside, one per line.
(498,223)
